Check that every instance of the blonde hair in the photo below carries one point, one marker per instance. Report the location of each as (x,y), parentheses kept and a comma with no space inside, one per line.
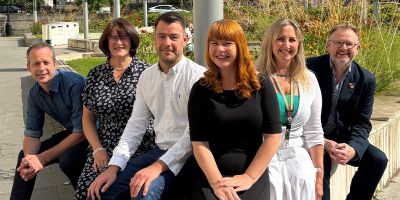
(266,60)
(246,76)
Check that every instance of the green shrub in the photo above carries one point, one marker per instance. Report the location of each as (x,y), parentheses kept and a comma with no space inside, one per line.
(146,51)
(98,25)
(135,18)
(151,18)
(36,27)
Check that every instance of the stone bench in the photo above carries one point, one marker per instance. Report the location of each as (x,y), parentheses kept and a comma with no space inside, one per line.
(385,135)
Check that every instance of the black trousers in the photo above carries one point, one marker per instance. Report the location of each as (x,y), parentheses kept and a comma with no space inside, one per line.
(370,170)
(71,163)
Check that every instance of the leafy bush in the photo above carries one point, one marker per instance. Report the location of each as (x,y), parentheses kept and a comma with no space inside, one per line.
(380,42)
(151,18)
(146,51)
(98,25)
(36,27)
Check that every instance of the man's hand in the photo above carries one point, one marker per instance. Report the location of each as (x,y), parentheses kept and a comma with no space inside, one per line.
(30,166)
(328,146)
(239,182)
(102,182)
(343,153)
(144,177)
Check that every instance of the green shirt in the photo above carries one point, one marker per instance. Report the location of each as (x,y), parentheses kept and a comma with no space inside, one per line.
(282,107)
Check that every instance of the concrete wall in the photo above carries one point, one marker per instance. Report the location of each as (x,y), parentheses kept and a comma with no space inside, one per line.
(21,22)
(386,136)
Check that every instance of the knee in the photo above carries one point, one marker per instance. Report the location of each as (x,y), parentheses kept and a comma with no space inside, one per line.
(381,160)
(155,190)
(21,155)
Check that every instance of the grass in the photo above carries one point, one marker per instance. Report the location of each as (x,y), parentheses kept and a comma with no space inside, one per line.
(84,65)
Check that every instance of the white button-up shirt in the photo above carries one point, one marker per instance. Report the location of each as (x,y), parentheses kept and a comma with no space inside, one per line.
(166,97)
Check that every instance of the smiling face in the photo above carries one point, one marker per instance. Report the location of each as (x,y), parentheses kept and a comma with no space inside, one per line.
(42,66)
(119,45)
(342,55)
(285,46)
(170,39)
(223,53)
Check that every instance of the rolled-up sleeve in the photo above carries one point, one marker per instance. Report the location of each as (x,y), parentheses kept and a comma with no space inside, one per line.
(76,113)
(34,117)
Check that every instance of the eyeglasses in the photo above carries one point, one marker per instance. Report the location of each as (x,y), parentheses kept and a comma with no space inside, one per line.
(340,44)
(116,38)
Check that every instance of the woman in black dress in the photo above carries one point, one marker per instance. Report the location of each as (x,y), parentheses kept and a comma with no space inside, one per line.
(108,100)
(234,120)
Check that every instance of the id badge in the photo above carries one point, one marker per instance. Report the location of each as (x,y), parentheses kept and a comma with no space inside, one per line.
(286,153)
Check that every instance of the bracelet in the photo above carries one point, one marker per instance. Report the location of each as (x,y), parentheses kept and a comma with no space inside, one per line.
(97,150)
(318,170)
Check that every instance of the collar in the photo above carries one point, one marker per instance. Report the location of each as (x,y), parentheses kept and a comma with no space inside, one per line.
(176,68)
(55,83)
(333,66)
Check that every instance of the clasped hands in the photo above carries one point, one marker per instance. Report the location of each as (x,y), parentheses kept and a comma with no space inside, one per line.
(227,187)
(30,165)
(340,153)
(142,178)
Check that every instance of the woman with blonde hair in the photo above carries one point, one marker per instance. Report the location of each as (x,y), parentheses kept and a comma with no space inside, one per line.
(233,119)
(295,172)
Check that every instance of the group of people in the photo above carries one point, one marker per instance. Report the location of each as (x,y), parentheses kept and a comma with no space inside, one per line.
(236,129)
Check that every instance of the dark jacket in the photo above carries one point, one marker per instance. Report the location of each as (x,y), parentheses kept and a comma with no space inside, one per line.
(354,105)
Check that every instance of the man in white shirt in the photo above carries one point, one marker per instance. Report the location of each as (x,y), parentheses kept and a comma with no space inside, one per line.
(162,91)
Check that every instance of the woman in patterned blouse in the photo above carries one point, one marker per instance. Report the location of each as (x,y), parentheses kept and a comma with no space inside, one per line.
(108,100)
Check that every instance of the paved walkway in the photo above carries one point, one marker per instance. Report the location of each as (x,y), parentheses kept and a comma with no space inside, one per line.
(15,82)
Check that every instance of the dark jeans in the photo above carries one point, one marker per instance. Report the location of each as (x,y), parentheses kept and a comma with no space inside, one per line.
(370,170)
(120,188)
(71,163)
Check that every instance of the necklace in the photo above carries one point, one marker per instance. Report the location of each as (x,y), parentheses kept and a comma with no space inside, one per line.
(119,68)
(282,75)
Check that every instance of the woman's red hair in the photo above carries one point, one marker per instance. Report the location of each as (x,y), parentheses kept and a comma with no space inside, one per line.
(246,76)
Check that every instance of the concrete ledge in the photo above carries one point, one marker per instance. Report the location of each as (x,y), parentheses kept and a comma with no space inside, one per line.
(84,45)
(385,135)
(30,39)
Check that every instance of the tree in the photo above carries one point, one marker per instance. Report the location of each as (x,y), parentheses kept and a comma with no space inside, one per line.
(26,5)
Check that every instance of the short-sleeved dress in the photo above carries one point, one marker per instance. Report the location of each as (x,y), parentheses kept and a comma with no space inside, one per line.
(234,128)
(112,103)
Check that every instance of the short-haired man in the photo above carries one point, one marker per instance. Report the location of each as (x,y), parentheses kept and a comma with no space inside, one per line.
(162,91)
(347,100)
(58,94)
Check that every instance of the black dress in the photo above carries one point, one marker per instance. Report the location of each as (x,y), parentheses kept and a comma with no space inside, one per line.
(234,129)
(112,103)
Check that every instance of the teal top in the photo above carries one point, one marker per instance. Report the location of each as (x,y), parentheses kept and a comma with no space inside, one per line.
(282,107)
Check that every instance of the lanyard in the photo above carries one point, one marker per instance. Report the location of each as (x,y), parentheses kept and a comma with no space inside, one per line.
(288,108)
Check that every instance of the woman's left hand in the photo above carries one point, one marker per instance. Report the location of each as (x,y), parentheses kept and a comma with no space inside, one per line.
(239,182)
(319,190)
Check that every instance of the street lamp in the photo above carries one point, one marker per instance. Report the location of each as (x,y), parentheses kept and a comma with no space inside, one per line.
(8,24)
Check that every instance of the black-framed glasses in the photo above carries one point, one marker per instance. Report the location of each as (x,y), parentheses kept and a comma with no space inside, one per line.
(116,38)
(340,44)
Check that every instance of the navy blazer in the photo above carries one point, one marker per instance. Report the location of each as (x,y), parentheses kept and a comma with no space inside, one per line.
(354,106)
